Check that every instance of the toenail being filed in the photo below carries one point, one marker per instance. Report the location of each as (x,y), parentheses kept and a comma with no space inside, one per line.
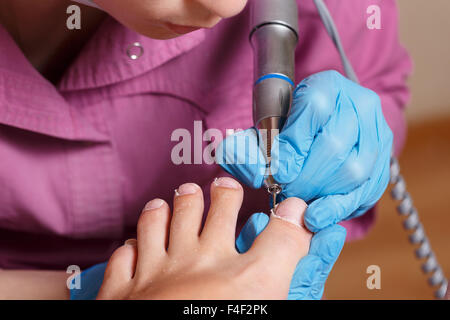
(292,211)
(226,183)
(154,204)
(187,188)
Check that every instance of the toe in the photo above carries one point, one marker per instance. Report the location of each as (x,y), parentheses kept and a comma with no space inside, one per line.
(226,201)
(187,218)
(285,240)
(152,234)
(119,271)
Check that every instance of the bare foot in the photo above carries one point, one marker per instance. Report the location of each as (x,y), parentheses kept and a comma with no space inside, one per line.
(173,258)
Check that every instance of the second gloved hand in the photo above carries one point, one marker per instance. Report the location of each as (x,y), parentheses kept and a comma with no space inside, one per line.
(334,150)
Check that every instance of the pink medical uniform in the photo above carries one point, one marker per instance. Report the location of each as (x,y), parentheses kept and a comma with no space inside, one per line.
(79,160)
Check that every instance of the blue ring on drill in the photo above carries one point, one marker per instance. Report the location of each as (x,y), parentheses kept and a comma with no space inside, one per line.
(274,76)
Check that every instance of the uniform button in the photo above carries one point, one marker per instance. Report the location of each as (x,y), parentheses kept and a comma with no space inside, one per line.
(135,51)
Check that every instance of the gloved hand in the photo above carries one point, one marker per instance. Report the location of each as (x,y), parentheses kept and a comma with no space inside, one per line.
(307,282)
(312,271)
(333,152)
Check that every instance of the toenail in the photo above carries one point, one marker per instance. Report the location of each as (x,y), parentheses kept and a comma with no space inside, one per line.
(291,210)
(131,242)
(154,204)
(226,183)
(187,188)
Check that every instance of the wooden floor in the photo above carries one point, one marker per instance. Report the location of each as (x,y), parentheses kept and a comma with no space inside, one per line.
(425,164)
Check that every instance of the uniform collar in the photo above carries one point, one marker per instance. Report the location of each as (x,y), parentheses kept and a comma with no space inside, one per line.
(28,101)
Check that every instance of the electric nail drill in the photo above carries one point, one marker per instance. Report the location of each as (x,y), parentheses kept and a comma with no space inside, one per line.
(274,37)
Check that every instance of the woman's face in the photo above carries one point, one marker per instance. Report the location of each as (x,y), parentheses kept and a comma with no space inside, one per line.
(165,19)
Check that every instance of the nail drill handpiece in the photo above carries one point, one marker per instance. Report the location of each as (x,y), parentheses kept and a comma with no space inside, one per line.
(274,38)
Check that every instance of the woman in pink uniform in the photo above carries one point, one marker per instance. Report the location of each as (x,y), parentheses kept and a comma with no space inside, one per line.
(86,132)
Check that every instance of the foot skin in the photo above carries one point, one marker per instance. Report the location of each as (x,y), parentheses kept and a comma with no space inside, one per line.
(174,258)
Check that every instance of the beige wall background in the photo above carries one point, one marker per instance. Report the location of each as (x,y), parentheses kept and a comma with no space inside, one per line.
(425,32)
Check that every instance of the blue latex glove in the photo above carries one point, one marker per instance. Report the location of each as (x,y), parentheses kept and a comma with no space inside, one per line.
(308,280)
(333,152)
